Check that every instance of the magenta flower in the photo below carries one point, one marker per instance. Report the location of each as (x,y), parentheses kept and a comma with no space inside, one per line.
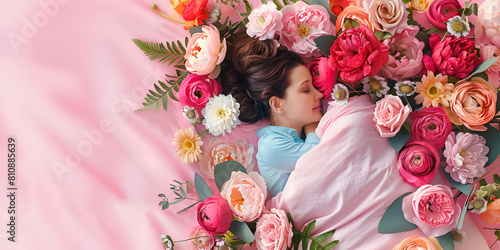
(195,90)
(418,163)
(441,10)
(214,215)
(324,78)
(431,125)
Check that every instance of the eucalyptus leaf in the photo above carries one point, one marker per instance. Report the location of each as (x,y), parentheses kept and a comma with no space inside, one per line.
(223,170)
(162,195)
(201,187)
(325,43)
(400,139)
(464,208)
(464,188)
(446,241)
(483,66)
(393,220)
(492,136)
(242,231)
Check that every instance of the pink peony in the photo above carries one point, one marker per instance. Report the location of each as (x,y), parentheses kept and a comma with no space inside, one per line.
(301,24)
(357,53)
(220,151)
(432,209)
(405,59)
(264,21)
(214,215)
(388,15)
(203,240)
(324,78)
(274,231)
(431,125)
(205,51)
(390,115)
(466,156)
(246,195)
(440,11)
(196,90)
(487,30)
(452,56)
(418,163)
(487,52)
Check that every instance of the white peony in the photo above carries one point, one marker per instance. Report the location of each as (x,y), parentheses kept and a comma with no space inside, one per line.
(221,114)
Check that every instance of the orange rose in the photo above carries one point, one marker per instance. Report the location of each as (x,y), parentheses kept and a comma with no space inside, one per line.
(418,243)
(492,213)
(355,13)
(473,103)
(337,6)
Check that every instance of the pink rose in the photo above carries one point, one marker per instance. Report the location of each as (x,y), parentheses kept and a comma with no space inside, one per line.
(274,231)
(214,215)
(487,52)
(203,240)
(357,53)
(196,90)
(440,11)
(431,125)
(452,56)
(390,115)
(264,21)
(220,151)
(487,30)
(432,209)
(466,156)
(324,78)
(388,15)
(301,24)
(406,54)
(205,51)
(246,195)
(418,163)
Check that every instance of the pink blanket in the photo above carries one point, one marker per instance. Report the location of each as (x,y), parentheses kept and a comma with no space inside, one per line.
(348,181)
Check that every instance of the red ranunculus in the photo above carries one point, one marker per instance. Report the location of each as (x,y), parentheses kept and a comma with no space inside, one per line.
(215,215)
(431,125)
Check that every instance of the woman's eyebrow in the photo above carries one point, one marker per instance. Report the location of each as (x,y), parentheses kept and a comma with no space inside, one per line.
(308,80)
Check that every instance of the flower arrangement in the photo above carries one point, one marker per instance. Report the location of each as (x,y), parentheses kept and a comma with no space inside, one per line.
(436,100)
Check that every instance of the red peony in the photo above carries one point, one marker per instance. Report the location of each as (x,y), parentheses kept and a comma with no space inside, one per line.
(324,78)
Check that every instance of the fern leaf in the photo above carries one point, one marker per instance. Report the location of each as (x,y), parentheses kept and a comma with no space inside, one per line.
(181,47)
(158,50)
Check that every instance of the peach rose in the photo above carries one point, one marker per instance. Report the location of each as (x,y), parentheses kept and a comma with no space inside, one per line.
(220,151)
(473,103)
(492,213)
(205,51)
(274,231)
(420,6)
(202,239)
(355,13)
(246,195)
(388,15)
(390,115)
(487,52)
(415,243)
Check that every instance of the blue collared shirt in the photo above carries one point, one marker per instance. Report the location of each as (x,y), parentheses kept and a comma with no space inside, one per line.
(279,148)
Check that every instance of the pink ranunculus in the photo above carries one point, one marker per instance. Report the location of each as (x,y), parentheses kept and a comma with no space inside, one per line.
(220,151)
(357,53)
(205,51)
(466,156)
(432,209)
(264,21)
(487,30)
(440,11)
(418,163)
(246,195)
(202,239)
(215,215)
(274,231)
(301,24)
(324,78)
(406,54)
(487,52)
(431,125)
(388,15)
(451,56)
(390,115)
(195,90)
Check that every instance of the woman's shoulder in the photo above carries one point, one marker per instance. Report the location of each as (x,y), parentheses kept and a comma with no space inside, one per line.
(271,132)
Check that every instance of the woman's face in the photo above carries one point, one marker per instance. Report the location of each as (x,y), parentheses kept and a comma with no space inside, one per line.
(301,102)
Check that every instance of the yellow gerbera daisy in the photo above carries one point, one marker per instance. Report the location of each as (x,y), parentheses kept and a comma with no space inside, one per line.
(434,90)
(189,145)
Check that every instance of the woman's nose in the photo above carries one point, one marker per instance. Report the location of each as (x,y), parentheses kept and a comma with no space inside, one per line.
(318,94)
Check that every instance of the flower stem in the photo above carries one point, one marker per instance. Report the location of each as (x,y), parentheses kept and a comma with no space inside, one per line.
(163,15)
(203,133)
(177,241)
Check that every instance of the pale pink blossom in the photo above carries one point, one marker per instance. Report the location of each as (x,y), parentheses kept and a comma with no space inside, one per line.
(388,15)
(390,115)
(487,52)
(432,209)
(466,156)
(205,52)
(487,30)
(246,195)
(264,21)
(405,55)
(274,231)
(301,24)
(203,241)
(219,151)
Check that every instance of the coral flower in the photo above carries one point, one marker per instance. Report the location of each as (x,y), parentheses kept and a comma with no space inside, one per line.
(188,144)
(492,213)
(434,90)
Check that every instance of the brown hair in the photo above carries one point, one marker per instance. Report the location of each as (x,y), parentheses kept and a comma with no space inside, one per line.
(257,71)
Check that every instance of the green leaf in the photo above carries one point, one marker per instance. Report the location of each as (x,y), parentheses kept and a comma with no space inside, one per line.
(492,136)
(496,178)
(331,244)
(223,170)
(446,241)
(406,1)
(474,8)
(309,228)
(161,203)
(201,187)
(381,35)
(324,236)
(483,66)
(497,234)
(165,206)
(482,182)
(305,242)
(242,231)
(464,208)
(468,11)
(188,207)
(157,50)
(195,29)
(162,195)
(393,220)
(350,24)
(325,43)
(400,139)
(158,99)
(247,6)
(278,5)
(182,191)
(464,188)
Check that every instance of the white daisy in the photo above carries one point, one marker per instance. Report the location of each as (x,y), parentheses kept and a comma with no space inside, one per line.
(376,85)
(458,27)
(406,88)
(214,15)
(478,205)
(221,114)
(190,114)
(340,94)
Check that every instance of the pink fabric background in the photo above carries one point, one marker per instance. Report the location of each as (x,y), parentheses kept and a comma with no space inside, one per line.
(88,167)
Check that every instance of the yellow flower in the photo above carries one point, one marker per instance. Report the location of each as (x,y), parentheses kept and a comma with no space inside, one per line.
(420,5)
(434,90)
(189,145)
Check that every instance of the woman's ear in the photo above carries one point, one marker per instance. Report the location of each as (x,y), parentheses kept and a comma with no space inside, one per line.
(275,104)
